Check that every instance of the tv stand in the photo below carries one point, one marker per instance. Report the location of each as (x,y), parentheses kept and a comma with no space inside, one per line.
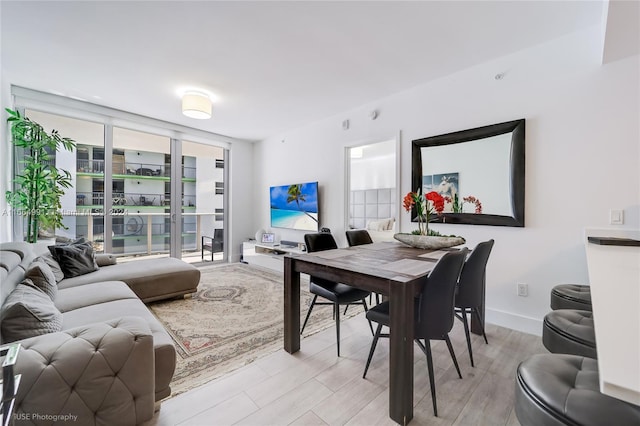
(269,256)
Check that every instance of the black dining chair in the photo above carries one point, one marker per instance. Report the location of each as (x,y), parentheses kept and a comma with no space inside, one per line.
(358,237)
(433,313)
(471,289)
(337,293)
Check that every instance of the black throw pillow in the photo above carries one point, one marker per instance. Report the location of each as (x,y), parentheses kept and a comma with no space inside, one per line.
(75,259)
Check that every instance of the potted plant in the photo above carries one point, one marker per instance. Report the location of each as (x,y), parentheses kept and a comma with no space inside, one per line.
(424,237)
(39,184)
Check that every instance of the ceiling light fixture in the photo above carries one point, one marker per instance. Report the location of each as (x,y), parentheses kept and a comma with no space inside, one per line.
(196,105)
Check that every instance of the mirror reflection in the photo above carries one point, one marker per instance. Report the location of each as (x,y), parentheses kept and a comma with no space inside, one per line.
(372,181)
(478,169)
(479,172)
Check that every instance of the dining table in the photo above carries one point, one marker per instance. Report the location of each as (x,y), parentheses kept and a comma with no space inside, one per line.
(392,269)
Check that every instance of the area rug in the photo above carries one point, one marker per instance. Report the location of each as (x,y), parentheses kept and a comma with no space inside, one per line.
(235,317)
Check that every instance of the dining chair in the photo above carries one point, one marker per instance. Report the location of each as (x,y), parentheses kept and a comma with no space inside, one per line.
(337,293)
(358,237)
(433,313)
(471,289)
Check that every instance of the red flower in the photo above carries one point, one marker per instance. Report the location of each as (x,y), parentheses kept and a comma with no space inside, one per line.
(437,200)
(409,200)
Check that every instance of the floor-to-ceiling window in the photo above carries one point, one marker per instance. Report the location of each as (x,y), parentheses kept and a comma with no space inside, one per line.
(139,193)
(83,204)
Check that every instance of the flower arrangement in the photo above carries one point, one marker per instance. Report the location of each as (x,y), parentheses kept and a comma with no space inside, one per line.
(456,206)
(475,201)
(423,205)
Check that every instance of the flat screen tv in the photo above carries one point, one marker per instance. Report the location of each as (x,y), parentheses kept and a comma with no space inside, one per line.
(295,206)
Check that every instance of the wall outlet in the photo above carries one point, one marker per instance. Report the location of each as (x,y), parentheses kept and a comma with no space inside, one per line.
(523,290)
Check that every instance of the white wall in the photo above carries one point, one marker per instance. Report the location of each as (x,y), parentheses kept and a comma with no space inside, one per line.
(242,206)
(582,159)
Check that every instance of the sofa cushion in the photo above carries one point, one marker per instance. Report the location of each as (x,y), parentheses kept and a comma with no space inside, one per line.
(92,294)
(150,279)
(53,265)
(28,312)
(42,277)
(75,259)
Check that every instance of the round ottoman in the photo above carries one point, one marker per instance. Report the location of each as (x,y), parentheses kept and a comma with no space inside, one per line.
(569,331)
(571,296)
(555,389)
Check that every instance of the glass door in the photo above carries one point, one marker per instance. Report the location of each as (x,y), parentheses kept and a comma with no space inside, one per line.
(140,213)
(202,186)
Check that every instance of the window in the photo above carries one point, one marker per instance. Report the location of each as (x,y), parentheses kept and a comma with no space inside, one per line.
(139,176)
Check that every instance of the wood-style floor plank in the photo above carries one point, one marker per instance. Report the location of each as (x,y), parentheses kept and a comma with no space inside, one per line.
(315,387)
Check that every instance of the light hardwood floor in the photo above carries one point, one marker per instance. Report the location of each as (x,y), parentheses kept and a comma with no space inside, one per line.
(315,387)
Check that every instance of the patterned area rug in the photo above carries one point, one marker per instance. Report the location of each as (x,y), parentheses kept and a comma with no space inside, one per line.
(235,317)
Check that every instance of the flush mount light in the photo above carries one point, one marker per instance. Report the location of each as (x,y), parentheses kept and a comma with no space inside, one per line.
(196,105)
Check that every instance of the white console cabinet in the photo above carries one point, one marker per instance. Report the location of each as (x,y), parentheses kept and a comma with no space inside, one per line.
(269,256)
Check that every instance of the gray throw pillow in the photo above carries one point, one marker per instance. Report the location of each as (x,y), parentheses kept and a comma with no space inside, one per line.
(42,277)
(53,265)
(28,312)
(75,259)
(105,259)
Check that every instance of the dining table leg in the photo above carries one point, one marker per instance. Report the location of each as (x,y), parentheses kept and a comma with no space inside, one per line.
(401,353)
(291,307)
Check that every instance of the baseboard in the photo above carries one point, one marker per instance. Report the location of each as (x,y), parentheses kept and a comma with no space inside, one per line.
(514,321)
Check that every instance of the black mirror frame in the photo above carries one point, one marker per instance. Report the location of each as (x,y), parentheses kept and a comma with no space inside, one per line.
(517,184)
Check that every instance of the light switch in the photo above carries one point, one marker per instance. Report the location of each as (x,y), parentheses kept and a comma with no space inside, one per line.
(616,217)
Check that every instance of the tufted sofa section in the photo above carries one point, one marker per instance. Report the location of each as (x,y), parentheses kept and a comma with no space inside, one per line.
(110,351)
(101,373)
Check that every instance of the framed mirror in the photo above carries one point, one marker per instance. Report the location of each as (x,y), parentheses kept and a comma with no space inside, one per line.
(479,172)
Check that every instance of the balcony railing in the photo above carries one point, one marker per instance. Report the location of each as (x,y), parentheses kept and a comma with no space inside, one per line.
(141,234)
(131,199)
(90,166)
(133,169)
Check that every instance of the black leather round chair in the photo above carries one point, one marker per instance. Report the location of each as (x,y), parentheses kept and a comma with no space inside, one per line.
(555,389)
(569,331)
(571,296)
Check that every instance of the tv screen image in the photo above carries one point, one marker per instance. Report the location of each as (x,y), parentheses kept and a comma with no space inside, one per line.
(295,206)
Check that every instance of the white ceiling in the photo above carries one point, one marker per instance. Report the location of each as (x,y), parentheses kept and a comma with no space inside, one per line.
(274,65)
